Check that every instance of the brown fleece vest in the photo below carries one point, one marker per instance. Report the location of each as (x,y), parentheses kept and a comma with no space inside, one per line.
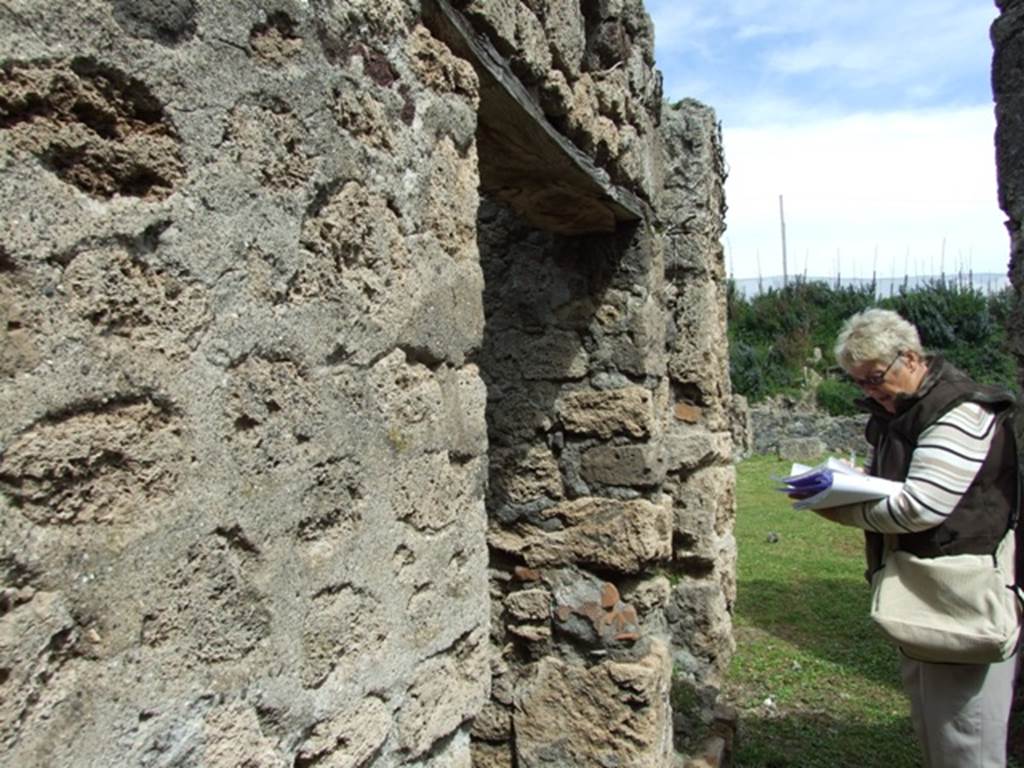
(982,516)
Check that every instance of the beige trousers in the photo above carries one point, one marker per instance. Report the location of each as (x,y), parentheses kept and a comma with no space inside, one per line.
(960,711)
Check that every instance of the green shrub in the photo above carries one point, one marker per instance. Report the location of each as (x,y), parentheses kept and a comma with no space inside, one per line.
(835,397)
(773,335)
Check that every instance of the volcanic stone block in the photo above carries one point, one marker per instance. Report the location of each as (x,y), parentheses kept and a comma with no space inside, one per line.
(700,622)
(107,463)
(557,356)
(95,126)
(696,448)
(350,738)
(529,605)
(704,509)
(802,448)
(465,401)
(623,536)
(613,713)
(640,465)
(447,691)
(523,474)
(607,412)
(36,639)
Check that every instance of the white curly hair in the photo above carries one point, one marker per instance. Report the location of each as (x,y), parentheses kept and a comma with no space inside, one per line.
(875,335)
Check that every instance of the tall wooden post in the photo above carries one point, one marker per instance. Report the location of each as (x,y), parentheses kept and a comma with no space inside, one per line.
(782,222)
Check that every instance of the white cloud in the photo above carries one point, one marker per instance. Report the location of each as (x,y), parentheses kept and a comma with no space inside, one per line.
(868,54)
(886,182)
(900,45)
(872,118)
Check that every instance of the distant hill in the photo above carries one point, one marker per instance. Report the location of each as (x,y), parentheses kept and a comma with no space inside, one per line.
(987,282)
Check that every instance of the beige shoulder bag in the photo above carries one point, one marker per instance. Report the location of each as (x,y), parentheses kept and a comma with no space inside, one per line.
(961,609)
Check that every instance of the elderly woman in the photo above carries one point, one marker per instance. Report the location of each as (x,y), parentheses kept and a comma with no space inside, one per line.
(948,441)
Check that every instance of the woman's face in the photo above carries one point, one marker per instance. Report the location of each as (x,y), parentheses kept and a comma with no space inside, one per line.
(883,380)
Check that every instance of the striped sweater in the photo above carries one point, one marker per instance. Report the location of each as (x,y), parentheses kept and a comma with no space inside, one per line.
(947,458)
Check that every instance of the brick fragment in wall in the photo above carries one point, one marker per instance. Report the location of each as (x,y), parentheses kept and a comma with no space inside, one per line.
(637,465)
(565,713)
(537,636)
(607,412)
(596,618)
(624,536)
(526,574)
(687,413)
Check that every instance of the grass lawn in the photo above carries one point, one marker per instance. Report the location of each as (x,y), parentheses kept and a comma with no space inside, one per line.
(815,683)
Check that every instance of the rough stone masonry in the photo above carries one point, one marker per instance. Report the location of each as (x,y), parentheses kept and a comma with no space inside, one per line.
(364,395)
(1008,90)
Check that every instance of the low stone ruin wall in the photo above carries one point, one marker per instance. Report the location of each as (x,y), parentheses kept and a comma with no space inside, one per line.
(782,426)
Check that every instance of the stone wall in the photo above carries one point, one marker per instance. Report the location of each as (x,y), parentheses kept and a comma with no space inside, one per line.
(1008,90)
(243,452)
(575,500)
(354,355)
(776,421)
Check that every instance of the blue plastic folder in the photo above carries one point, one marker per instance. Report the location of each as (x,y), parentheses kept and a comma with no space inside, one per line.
(835,483)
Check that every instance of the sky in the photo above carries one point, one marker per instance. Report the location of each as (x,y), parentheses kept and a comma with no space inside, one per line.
(872,119)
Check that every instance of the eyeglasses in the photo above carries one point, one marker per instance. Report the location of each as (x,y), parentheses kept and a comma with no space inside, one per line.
(876,379)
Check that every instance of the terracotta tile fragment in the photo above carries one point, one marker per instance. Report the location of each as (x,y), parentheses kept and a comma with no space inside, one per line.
(526,574)
(609,595)
(689,413)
